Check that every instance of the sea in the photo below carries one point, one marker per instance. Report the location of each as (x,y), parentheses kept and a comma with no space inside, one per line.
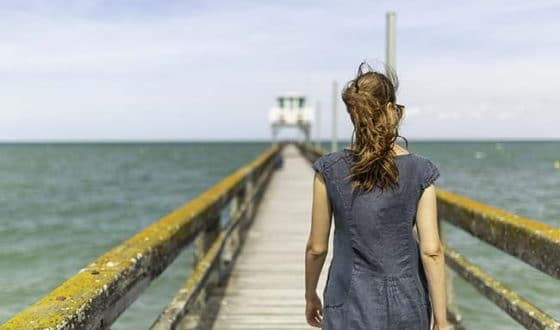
(64,204)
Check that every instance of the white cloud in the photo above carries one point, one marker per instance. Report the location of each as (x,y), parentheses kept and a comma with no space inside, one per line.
(96,71)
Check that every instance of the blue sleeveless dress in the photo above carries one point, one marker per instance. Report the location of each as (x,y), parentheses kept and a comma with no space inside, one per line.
(375,279)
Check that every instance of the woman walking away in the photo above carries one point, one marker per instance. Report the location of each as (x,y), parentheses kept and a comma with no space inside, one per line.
(387,270)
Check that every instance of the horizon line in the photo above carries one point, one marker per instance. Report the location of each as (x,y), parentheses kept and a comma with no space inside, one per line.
(161,141)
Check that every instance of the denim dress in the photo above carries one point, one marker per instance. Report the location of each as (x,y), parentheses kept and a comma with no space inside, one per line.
(375,279)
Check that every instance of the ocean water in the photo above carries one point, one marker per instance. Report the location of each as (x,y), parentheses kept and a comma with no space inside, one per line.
(62,205)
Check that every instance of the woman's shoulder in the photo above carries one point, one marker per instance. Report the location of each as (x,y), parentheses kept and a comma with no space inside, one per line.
(325,162)
(423,160)
(427,170)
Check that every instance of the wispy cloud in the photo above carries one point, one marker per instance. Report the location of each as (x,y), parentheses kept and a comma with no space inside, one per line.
(170,69)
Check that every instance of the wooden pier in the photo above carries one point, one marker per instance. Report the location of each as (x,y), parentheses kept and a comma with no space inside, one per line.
(266,287)
(249,233)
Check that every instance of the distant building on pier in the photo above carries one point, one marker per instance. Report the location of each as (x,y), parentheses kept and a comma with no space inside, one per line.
(291,111)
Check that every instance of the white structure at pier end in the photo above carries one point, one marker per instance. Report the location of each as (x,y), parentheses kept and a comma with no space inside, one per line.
(291,111)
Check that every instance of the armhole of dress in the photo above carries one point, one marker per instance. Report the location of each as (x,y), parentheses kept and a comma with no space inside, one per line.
(429,175)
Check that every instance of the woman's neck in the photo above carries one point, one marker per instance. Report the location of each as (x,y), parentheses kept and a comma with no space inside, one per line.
(396,148)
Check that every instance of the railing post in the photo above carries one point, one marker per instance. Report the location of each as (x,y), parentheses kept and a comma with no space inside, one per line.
(453,315)
(202,243)
(205,238)
(249,201)
(232,242)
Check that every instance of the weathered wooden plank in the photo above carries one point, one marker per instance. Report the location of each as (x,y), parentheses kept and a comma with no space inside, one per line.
(516,306)
(215,256)
(534,242)
(266,287)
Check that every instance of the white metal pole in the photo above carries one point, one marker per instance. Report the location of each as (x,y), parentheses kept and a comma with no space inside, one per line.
(318,124)
(334,103)
(390,41)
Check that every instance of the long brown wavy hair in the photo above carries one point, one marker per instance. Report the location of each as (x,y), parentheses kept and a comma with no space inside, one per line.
(367,99)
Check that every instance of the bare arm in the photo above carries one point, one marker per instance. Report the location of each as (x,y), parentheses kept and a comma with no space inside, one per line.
(316,249)
(432,255)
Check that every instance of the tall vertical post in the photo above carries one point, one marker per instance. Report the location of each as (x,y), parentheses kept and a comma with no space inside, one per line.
(202,243)
(334,104)
(318,124)
(390,41)
(454,315)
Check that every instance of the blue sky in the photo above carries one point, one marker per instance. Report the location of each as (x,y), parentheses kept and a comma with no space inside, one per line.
(178,70)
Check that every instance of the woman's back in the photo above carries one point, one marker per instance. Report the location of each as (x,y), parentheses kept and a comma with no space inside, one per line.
(376,279)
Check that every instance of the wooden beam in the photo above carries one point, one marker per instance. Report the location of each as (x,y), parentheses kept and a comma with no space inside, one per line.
(534,242)
(517,307)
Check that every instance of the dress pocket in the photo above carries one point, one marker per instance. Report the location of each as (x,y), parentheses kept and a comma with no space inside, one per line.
(333,318)
(331,299)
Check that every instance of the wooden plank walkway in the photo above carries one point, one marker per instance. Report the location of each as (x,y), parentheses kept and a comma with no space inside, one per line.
(266,287)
